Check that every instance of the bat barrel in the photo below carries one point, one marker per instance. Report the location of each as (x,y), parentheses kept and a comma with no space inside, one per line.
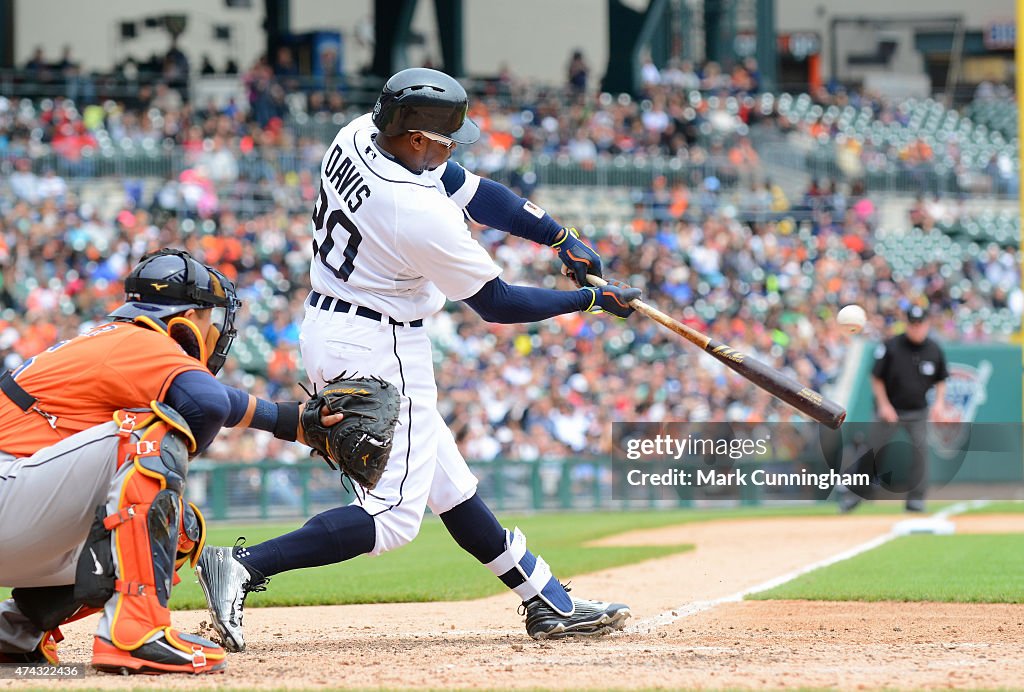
(804,399)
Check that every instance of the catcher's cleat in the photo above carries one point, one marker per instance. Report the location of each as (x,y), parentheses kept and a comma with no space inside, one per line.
(45,652)
(588,619)
(171,652)
(226,582)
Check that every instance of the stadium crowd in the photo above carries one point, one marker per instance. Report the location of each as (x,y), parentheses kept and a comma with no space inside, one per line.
(726,250)
(769,288)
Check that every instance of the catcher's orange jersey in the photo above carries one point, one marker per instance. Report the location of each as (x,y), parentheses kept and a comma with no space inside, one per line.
(81,382)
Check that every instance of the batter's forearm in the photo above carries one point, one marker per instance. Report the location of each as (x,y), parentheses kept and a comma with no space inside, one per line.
(500,302)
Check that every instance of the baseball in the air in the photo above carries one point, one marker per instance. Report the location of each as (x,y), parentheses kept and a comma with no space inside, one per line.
(852,318)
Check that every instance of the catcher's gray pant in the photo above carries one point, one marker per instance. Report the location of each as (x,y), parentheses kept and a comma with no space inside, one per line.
(47,505)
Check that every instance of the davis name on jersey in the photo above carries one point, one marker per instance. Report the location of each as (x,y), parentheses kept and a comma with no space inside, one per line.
(390,239)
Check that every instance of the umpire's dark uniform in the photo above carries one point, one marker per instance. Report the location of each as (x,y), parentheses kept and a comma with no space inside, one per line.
(906,367)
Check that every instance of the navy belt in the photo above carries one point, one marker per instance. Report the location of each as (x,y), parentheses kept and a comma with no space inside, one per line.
(15,393)
(318,300)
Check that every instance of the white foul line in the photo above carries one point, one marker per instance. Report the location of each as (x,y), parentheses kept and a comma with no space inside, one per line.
(687,609)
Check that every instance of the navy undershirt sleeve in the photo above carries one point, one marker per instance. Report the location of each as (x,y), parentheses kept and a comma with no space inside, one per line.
(500,302)
(203,402)
(453,178)
(239,405)
(496,206)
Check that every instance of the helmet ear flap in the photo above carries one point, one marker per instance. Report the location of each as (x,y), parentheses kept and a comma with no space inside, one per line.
(210,345)
(188,336)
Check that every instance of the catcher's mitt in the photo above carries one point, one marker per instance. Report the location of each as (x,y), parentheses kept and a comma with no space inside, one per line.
(360,444)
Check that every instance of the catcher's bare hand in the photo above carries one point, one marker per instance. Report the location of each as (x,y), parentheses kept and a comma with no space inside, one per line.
(327,419)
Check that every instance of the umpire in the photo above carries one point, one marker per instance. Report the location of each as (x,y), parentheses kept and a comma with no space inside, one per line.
(907,366)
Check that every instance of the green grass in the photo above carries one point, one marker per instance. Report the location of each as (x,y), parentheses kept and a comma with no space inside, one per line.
(952,569)
(1003,507)
(433,568)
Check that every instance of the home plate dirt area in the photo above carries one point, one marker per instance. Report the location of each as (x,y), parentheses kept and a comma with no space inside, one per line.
(686,631)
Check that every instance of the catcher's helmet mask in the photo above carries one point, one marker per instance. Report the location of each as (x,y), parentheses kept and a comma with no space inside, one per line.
(169,282)
(427,100)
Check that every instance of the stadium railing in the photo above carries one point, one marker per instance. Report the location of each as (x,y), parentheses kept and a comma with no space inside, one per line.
(272,489)
(355,89)
(151,160)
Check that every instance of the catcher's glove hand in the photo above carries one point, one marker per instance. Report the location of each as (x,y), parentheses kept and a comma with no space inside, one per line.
(360,444)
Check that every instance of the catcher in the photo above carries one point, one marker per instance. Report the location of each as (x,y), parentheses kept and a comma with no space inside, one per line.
(95,438)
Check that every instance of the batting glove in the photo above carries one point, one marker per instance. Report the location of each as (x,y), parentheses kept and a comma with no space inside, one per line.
(579,259)
(613,298)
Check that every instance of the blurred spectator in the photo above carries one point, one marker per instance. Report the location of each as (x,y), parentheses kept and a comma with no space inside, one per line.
(578,72)
(207,67)
(650,76)
(166,98)
(24,183)
(175,68)
(52,186)
(37,66)
(680,75)
(285,69)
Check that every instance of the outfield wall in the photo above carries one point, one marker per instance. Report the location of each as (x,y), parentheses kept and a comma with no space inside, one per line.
(984,387)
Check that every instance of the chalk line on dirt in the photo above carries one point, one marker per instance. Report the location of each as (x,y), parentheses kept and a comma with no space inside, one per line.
(694,607)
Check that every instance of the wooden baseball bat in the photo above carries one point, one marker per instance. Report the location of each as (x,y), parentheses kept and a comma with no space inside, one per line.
(803,399)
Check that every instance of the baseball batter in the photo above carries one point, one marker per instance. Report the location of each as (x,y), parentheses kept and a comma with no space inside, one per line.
(390,245)
(95,437)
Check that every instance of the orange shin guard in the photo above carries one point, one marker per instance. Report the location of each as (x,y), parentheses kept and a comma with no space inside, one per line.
(145,529)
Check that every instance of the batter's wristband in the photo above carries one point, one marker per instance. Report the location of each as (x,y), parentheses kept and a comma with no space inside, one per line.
(593,298)
(287,425)
(564,236)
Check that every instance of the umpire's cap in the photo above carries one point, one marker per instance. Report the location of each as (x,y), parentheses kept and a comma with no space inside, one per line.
(916,314)
(423,99)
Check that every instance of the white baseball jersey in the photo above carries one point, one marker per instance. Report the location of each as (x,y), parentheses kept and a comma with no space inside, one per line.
(389,239)
(395,242)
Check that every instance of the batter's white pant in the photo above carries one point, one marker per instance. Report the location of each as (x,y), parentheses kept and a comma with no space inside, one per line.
(426,467)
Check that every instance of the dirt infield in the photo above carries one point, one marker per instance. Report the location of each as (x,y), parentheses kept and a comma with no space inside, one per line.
(751,644)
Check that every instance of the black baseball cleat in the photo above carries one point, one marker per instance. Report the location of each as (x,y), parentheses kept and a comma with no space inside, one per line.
(22,657)
(44,653)
(170,651)
(226,582)
(847,500)
(588,619)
